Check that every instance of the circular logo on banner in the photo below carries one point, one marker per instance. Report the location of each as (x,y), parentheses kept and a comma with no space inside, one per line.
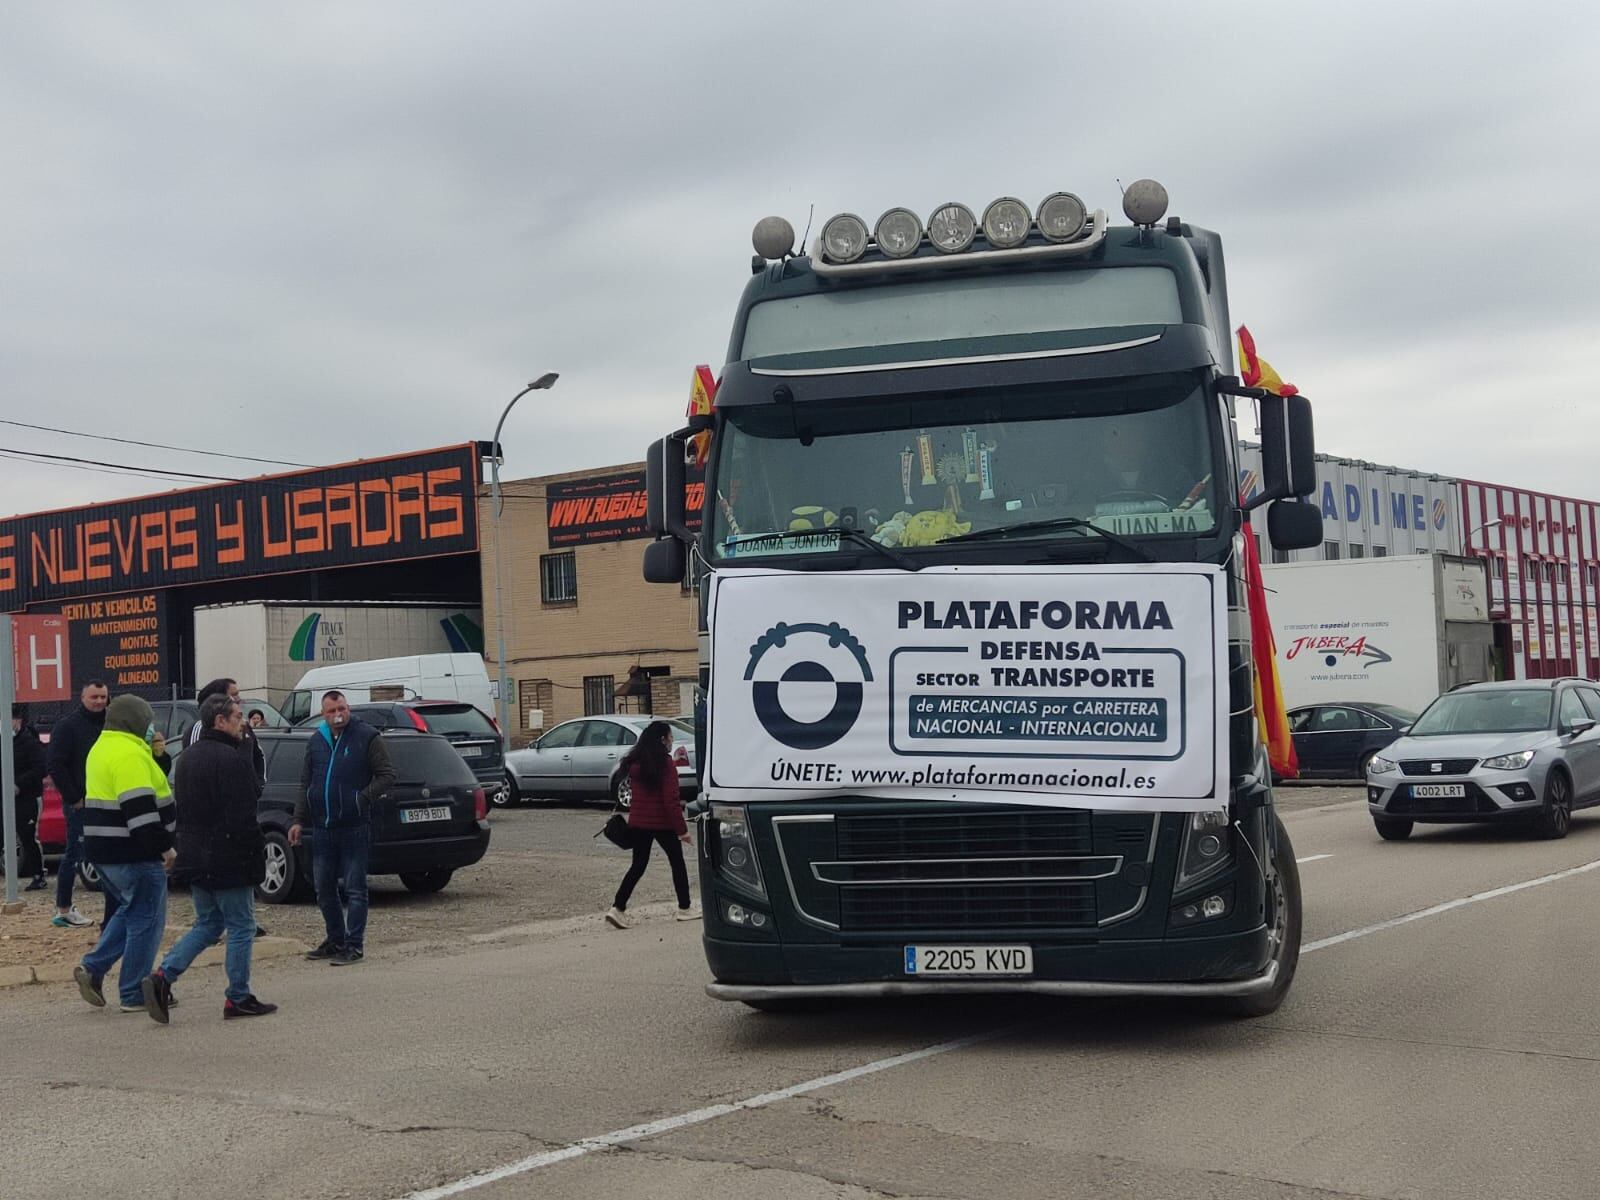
(806,683)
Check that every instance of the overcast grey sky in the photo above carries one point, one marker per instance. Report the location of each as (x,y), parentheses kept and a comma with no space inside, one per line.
(317,232)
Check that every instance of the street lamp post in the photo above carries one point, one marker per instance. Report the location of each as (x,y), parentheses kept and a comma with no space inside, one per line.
(1481,528)
(543,383)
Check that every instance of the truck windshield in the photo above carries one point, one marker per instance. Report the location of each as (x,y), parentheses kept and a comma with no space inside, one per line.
(1134,457)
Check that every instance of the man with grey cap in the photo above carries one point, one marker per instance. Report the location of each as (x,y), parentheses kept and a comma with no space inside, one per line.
(128,823)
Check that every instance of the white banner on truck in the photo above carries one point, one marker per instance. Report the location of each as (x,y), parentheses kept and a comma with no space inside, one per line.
(1094,686)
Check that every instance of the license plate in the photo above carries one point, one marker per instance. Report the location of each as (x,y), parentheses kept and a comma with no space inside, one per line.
(412,816)
(969,960)
(1435,791)
(470,751)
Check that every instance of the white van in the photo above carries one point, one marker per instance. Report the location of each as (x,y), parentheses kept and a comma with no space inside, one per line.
(410,677)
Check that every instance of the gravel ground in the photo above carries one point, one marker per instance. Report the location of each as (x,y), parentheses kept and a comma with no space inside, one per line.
(543,862)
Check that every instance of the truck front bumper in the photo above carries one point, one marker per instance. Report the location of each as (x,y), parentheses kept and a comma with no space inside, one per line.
(1254,986)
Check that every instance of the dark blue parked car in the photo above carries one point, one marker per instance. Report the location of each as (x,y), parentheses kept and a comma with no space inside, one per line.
(1335,741)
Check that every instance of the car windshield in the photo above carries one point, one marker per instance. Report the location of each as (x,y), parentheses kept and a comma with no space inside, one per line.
(1132,456)
(427,760)
(1510,710)
(1397,716)
(680,725)
(456,719)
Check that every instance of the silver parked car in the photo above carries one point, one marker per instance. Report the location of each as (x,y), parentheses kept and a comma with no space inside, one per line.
(1516,751)
(581,760)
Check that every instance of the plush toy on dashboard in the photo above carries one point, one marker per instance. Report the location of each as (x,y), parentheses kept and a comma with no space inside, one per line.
(932,526)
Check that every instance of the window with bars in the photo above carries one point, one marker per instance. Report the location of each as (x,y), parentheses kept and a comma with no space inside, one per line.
(1357,550)
(558,578)
(1330,551)
(1380,552)
(599,695)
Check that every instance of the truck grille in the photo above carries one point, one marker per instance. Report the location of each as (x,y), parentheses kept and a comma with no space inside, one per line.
(1447,766)
(990,833)
(981,906)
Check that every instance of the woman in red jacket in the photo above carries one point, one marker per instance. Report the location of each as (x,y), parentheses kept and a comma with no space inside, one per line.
(655,817)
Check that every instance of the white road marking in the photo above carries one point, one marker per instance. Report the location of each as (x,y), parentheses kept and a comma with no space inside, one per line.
(1313,858)
(1351,935)
(650,1129)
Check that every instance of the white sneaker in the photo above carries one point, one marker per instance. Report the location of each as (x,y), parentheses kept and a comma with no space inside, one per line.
(71,917)
(615,919)
(692,913)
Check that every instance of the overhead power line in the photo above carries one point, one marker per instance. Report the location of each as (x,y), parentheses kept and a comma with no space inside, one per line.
(134,473)
(161,472)
(106,437)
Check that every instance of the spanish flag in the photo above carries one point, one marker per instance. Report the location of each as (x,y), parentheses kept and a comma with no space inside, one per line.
(1271,717)
(1256,371)
(702,399)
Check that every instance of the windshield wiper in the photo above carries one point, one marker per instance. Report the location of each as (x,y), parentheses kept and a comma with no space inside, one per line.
(848,533)
(1078,523)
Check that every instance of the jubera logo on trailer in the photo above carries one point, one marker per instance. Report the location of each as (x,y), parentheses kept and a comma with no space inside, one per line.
(806,683)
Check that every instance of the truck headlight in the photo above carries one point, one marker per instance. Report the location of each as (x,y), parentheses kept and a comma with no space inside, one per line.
(734,848)
(1378,765)
(1207,846)
(1006,222)
(898,233)
(1509,762)
(844,238)
(951,228)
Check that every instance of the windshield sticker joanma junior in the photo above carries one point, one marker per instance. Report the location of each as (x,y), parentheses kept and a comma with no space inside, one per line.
(1049,687)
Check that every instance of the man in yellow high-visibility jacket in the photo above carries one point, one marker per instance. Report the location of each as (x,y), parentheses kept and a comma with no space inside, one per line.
(128,823)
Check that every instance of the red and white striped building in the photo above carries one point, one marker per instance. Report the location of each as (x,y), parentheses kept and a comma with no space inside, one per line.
(1543,555)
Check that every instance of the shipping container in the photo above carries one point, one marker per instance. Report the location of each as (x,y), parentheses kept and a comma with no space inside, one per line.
(1396,630)
(268,645)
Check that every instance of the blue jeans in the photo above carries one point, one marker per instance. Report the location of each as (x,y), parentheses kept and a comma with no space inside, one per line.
(67,869)
(339,871)
(230,909)
(134,932)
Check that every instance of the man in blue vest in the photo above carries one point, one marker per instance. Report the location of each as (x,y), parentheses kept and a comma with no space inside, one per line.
(347,769)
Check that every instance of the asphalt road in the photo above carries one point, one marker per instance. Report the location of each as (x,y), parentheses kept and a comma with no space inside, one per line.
(1449,1055)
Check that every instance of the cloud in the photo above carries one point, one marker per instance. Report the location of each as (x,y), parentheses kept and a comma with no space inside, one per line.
(323,232)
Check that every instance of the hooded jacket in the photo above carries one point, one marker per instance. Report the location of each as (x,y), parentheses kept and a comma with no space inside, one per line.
(220,844)
(128,813)
(70,739)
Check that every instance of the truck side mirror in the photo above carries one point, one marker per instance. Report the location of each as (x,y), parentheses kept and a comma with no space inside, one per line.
(665,561)
(1288,447)
(1294,525)
(664,478)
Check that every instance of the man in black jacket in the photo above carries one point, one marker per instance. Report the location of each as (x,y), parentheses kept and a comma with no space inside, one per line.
(248,745)
(28,755)
(71,739)
(221,855)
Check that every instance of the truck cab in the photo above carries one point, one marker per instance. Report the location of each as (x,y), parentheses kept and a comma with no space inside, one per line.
(975,655)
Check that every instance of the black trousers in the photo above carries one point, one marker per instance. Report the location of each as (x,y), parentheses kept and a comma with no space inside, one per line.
(643,839)
(30,859)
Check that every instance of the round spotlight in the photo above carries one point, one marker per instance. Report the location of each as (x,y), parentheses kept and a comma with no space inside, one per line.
(1062,217)
(1006,222)
(952,228)
(844,238)
(773,238)
(899,233)
(1145,202)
